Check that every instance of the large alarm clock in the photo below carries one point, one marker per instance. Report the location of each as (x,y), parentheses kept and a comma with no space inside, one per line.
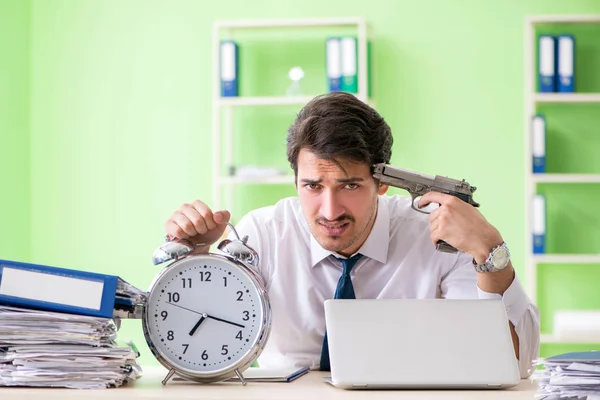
(207,317)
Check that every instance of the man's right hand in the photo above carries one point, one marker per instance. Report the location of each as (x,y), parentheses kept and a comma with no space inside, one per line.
(197,223)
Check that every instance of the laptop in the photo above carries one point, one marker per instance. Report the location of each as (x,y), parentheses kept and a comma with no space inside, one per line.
(420,344)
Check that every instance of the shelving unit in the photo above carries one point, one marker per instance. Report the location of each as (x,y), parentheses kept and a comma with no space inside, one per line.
(566,97)
(578,340)
(263,101)
(532,100)
(566,178)
(223,107)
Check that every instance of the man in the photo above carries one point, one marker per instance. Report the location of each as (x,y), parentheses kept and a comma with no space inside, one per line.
(342,215)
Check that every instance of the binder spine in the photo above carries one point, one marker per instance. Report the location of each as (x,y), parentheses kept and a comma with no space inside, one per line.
(349,65)
(57,289)
(538,144)
(333,64)
(539,224)
(566,64)
(229,68)
(547,64)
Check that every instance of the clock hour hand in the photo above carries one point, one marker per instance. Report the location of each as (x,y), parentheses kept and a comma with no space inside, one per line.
(207,316)
(202,318)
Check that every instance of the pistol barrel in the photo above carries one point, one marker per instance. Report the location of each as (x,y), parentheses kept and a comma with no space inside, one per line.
(419,184)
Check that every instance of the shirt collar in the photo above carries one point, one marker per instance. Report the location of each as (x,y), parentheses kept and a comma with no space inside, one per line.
(375,247)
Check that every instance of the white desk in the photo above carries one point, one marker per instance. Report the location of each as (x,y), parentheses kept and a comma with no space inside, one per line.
(309,386)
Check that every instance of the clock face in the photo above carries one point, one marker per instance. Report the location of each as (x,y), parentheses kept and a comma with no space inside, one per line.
(204,314)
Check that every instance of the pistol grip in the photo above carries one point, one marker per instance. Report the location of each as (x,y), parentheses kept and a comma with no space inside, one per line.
(445,247)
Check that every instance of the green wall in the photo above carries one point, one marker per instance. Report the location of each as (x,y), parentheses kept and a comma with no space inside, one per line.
(120,122)
(15,232)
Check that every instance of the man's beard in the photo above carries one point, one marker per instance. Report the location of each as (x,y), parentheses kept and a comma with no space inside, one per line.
(336,246)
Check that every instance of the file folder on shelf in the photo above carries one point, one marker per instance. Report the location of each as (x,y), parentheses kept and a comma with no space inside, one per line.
(349,65)
(566,64)
(333,59)
(547,64)
(538,144)
(229,68)
(539,224)
(66,290)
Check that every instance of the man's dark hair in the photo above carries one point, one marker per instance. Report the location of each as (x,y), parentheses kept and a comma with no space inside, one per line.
(339,125)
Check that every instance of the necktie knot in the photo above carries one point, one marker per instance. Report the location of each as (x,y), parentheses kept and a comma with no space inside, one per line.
(348,263)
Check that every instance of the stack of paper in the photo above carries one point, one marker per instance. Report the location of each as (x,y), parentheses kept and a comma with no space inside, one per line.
(47,349)
(569,376)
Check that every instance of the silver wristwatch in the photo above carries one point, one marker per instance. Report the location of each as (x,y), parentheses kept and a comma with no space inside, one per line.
(496,261)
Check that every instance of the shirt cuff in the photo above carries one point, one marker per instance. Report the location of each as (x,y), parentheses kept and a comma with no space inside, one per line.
(514,298)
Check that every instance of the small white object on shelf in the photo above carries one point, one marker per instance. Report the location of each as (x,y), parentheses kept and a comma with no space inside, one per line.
(574,324)
(295,75)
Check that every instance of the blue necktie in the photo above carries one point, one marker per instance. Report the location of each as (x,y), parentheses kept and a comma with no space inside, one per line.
(344,290)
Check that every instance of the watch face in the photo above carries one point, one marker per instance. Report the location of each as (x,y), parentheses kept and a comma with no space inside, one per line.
(500,258)
(204,314)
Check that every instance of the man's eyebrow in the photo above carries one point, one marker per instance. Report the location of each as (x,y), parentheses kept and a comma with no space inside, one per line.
(311,181)
(351,179)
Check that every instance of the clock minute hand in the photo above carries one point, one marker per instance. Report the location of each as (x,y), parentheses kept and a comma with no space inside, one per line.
(224,320)
(189,309)
(207,316)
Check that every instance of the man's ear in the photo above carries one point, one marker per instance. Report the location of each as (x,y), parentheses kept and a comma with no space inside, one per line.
(382,189)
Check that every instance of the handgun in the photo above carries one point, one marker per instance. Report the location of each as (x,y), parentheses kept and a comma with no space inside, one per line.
(418,184)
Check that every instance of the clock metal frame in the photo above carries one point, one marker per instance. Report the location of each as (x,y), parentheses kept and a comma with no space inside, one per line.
(237,367)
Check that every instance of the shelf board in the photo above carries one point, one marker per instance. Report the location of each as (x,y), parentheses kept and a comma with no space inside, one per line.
(265,101)
(565,19)
(567,97)
(549,338)
(289,23)
(273,180)
(567,259)
(566,178)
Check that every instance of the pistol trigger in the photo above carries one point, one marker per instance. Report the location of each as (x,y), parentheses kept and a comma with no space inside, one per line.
(415,204)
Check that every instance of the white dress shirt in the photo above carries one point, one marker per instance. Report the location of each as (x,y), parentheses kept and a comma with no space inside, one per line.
(399,262)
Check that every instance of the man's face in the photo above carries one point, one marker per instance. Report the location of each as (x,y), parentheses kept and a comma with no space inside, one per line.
(340,207)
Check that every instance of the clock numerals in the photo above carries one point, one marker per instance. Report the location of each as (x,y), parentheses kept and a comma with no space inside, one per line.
(187,283)
(186,297)
(205,276)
